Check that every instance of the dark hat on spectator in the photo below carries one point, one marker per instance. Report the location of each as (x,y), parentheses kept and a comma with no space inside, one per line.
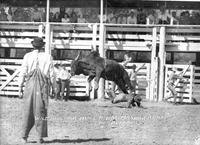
(38,42)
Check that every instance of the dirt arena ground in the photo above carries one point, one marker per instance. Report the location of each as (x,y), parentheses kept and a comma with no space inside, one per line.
(101,123)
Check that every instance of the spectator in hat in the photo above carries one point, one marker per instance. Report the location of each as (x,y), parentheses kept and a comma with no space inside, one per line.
(36,69)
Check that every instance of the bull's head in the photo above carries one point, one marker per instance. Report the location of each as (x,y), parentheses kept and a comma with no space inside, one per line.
(74,65)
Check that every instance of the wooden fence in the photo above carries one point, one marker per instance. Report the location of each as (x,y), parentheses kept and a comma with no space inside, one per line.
(18,37)
(78,84)
(146,38)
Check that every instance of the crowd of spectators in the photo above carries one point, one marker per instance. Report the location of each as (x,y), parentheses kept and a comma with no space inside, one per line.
(115,16)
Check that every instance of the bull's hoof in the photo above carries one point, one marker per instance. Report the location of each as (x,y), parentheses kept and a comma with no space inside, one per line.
(129,105)
(133,104)
(113,100)
(138,104)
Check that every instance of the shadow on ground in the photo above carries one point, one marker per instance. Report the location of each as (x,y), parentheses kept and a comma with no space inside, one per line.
(77,140)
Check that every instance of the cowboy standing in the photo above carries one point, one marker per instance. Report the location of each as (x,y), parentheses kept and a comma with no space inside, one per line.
(64,76)
(37,70)
(171,83)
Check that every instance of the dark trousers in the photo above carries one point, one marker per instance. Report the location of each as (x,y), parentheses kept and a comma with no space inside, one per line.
(65,84)
(173,91)
(57,88)
(35,104)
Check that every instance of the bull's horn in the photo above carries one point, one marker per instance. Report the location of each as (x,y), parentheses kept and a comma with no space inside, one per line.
(78,56)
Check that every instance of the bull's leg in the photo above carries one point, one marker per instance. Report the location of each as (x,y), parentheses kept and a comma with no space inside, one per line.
(122,86)
(97,78)
(90,78)
(127,81)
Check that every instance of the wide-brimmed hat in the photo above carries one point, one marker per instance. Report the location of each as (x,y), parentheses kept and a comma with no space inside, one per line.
(38,42)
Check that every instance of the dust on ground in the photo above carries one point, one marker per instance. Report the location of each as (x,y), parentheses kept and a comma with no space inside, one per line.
(100,122)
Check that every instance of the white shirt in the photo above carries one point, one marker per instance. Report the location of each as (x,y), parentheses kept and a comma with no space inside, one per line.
(64,74)
(30,61)
(81,20)
(164,16)
(65,20)
(131,20)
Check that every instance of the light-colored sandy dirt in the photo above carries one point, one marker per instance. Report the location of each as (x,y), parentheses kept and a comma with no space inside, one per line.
(101,123)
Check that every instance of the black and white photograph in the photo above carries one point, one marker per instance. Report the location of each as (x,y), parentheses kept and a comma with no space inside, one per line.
(100,72)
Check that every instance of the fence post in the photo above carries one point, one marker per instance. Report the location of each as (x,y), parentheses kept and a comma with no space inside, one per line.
(47,30)
(153,68)
(94,38)
(161,63)
(101,90)
(191,83)
(47,38)
(40,30)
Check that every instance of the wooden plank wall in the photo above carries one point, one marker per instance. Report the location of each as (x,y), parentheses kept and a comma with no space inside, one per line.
(74,36)
(184,87)
(128,37)
(18,35)
(183,38)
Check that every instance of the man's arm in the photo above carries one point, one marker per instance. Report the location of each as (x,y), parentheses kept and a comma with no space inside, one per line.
(140,67)
(22,76)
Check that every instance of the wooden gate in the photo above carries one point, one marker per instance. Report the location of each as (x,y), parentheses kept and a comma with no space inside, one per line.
(184,87)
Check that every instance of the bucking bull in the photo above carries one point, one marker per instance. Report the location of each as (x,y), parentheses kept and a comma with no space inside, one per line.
(97,67)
